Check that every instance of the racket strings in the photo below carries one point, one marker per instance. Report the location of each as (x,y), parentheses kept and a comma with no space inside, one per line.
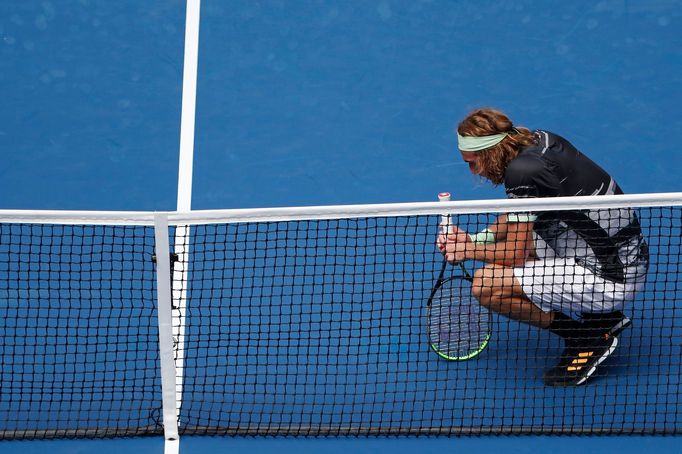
(459,325)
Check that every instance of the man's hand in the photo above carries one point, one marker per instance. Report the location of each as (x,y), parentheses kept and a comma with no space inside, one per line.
(455,245)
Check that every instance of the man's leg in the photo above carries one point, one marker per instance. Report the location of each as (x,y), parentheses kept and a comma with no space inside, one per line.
(497,289)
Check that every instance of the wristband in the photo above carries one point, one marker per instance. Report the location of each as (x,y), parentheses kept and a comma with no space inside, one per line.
(521,217)
(483,237)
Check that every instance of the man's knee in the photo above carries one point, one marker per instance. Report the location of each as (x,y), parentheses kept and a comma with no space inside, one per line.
(482,286)
(492,284)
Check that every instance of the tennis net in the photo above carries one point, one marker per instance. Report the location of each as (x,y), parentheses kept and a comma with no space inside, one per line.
(309,322)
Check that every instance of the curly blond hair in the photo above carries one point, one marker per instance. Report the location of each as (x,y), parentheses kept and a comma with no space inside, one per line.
(493,161)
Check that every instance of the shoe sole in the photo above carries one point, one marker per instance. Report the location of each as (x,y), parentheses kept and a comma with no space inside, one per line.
(606,354)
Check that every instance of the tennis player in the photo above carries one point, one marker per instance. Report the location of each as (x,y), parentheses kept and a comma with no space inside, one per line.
(570,272)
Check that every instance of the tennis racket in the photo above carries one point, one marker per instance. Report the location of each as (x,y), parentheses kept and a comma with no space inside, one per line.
(459,328)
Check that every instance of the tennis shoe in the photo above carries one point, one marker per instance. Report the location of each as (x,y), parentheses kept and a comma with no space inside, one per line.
(612,323)
(619,324)
(580,359)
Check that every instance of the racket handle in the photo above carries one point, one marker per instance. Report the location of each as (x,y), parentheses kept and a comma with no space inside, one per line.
(445,219)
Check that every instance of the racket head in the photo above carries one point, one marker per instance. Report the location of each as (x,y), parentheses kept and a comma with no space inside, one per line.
(459,328)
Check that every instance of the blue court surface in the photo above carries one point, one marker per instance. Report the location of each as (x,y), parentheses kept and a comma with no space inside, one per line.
(321,103)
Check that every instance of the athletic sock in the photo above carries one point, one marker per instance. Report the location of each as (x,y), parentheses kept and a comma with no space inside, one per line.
(564,326)
(605,321)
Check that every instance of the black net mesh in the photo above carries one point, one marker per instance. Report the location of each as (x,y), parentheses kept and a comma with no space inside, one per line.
(78,331)
(316,328)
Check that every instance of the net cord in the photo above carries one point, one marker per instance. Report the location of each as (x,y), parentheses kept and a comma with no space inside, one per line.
(426,208)
(231,216)
(166,351)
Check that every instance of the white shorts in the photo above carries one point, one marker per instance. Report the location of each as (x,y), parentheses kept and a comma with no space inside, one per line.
(559,284)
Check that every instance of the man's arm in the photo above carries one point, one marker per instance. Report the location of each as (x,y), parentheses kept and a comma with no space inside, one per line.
(514,244)
(499,228)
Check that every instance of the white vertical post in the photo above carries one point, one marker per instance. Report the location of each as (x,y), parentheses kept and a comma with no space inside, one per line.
(181,241)
(163,298)
(180,272)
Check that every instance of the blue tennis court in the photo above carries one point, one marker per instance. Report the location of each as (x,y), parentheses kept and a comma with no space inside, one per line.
(325,103)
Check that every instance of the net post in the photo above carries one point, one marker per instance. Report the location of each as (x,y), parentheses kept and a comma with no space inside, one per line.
(164,301)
